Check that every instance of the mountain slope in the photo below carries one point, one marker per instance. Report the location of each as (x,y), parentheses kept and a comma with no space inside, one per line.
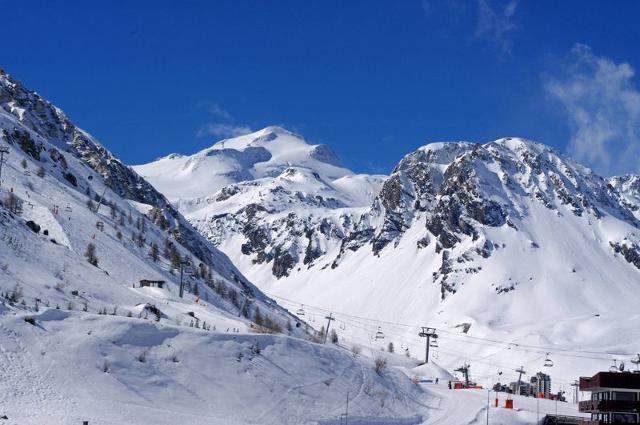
(507,241)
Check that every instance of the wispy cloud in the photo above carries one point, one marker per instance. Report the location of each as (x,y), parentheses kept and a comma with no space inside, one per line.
(215,110)
(494,20)
(222,130)
(602,105)
(223,126)
(496,24)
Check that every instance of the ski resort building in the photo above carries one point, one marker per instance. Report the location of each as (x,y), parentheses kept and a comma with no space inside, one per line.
(541,385)
(615,398)
(152,283)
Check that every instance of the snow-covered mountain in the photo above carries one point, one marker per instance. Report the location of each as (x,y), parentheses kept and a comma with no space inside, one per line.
(265,153)
(80,337)
(509,241)
(283,201)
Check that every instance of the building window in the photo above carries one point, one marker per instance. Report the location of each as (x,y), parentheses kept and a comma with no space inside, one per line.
(624,396)
(624,418)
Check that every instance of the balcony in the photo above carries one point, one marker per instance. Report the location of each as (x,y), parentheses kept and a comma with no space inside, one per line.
(590,406)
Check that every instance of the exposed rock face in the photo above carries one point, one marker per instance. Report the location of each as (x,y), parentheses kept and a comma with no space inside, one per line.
(454,192)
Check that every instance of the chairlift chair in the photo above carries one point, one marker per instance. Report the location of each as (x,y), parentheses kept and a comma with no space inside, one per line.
(433,344)
(27,172)
(379,334)
(300,311)
(548,362)
(342,326)
(68,208)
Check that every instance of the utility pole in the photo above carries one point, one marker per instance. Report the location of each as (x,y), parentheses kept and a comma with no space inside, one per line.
(182,265)
(520,372)
(427,333)
(329,319)
(488,395)
(2,152)
(464,369)
(346,414)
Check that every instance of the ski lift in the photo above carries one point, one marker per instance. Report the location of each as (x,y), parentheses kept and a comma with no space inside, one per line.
(27,172)
(379,334)
(100,226)
(300,311)
(614,366)
(548,362)
(433,344)
(342,326)
(68,208)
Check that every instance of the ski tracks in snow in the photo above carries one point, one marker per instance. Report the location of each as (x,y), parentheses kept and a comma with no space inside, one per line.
(22,383)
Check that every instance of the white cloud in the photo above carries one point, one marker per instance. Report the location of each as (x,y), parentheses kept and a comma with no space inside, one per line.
(216,110)
(602,104)
(223,130)
(495,25)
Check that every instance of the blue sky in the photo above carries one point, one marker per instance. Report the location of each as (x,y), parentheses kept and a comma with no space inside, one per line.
(373,79)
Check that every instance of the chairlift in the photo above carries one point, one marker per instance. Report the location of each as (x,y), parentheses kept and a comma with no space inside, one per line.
(379,334)
(68,208)
(614,366)
(100,225)
(300,311)
(342,326)
(433,344)
(27,172)
(548,362)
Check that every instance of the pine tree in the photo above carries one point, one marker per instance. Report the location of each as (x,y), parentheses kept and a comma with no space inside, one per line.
(154,252)
(174,257)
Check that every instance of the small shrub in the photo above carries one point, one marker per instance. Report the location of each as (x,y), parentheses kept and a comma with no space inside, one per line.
(356,350)
(142,357)
(106,366)
(379,365)
(91,256)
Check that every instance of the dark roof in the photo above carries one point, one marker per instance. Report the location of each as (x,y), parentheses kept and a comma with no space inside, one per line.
(611,380)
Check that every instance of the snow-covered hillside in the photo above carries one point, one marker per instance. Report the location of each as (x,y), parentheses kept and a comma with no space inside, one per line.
(82,339)
(509,248)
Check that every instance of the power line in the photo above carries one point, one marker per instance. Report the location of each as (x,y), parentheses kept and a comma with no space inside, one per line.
(480,340)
